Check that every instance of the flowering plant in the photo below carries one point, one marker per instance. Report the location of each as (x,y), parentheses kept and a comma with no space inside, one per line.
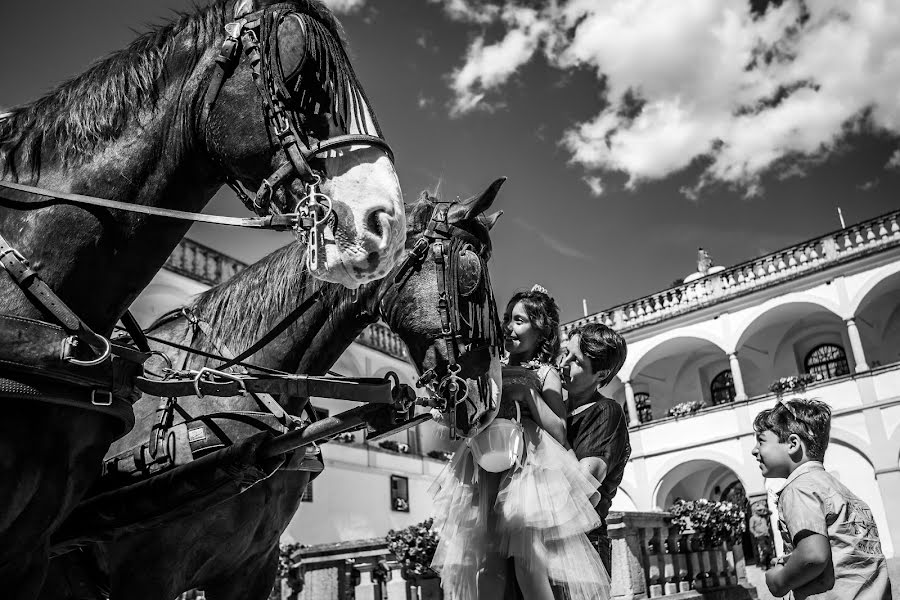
(440,455)
(292,574)
(686,408)
(395,446)
(414,547)
(795,384)
(717,521)
(345,438)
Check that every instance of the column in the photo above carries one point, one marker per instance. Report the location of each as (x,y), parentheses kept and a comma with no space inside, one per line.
(856,344)
(889,486)
(737,377)
(632,407)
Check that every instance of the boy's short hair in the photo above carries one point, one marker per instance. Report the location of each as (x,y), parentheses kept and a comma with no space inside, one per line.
(810,420)
(603,347)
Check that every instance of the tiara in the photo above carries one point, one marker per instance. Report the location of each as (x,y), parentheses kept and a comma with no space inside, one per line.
(539,288)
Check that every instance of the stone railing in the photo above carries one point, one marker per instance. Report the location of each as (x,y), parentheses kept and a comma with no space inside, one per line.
(202,263)
(826,251)
(650,559)
(381,338)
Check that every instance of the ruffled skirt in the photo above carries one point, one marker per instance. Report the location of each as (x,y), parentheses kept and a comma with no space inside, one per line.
(538,513)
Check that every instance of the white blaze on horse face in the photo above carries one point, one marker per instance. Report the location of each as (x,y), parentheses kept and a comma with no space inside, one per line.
(369,232)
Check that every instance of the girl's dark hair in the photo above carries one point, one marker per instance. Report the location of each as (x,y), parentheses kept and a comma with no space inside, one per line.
(543,313)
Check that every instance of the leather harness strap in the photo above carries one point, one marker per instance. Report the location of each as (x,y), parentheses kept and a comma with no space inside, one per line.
(29,281)
(273,333)
(94,399)
(208,382)
(276,222)
(267,401)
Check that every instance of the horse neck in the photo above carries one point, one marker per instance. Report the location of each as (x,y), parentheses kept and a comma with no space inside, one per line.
(98,260)
(253,302)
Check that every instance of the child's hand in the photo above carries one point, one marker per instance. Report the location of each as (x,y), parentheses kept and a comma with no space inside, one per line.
(773,579)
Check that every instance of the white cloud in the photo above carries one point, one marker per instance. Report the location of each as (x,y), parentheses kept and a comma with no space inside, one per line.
(702,80)
(465,10)
(423,101)
(595,183)
(344,6)
(868,185)
(893,162)
(557,245)
(490,66)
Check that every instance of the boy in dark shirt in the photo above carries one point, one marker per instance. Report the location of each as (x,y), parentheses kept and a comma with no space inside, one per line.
(596,428)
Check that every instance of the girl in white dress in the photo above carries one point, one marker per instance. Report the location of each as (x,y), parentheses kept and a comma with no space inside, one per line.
(537,509)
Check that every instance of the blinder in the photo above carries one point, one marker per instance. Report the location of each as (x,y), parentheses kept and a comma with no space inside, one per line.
(277,73)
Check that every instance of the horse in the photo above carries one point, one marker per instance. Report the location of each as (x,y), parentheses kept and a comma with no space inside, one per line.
(231,549)
(160,126)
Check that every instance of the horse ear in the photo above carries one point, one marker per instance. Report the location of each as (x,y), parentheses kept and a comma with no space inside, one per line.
(490,220)
(470,207)
(243,7)
(291,46)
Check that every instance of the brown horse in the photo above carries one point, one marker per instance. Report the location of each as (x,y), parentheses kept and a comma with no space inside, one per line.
(231,549)
(140,127)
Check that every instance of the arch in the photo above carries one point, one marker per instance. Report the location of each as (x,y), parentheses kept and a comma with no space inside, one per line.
(640,350)
(659,350)
(691,463)
(623,501)
(788,309)
(842,437)
(885,275)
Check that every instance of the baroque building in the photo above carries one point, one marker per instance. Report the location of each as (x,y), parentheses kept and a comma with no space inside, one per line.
(703,355)
(702,358)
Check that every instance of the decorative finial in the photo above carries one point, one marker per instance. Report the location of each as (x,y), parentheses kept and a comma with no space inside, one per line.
(704,261)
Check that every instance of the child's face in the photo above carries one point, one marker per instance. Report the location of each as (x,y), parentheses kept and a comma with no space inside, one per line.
(519,335)
(774,457)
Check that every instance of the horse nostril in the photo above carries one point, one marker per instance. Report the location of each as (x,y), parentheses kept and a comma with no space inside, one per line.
(374,222)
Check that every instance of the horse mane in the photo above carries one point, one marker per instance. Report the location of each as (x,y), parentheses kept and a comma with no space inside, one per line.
(92,108)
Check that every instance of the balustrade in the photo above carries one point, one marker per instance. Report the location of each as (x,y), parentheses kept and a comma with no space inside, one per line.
(762,272)
(381,338)
(202,263)
(651,559)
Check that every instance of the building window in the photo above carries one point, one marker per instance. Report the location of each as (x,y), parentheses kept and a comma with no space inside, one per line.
(399,493)
(721,390)
(307,495)
(826,361)
(642,404)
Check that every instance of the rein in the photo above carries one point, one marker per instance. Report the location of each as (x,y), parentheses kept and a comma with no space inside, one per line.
(279,222)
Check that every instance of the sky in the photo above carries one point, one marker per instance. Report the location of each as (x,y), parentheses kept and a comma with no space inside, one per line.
(632,131)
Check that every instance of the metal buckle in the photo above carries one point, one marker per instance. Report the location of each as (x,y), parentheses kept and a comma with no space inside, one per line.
(107,350)
(100,402)
(15,253)
(214,373)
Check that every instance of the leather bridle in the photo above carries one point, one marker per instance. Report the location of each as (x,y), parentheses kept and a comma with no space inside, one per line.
(470,325)
(255,31)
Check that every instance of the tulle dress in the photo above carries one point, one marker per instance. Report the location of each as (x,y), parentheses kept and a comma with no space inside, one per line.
(539,510)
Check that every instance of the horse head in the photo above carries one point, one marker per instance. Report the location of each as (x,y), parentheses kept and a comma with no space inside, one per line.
(290,119)
(440,301)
